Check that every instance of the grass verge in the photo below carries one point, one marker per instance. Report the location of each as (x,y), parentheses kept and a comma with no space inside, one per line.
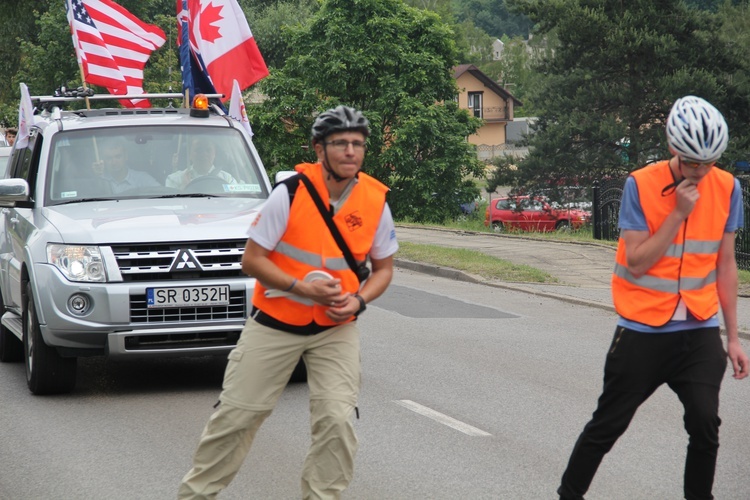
(473,262)
(493,268)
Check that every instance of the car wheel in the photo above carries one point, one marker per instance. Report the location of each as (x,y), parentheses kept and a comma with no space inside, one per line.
(498,227)
(299,375)
(11,349)
(563,225)
(46,371)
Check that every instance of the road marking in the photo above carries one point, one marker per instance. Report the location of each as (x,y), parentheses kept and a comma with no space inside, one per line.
(441,418)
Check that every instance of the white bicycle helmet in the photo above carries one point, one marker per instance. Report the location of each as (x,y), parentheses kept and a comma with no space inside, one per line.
(696,131)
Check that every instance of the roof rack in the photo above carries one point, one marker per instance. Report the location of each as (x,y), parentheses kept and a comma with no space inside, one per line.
(47,102)
(102,97)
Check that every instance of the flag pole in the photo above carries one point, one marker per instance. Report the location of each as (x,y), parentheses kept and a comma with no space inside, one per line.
(88,106)
(85,94)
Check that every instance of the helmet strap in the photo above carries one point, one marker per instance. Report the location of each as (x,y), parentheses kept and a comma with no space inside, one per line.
(331,173)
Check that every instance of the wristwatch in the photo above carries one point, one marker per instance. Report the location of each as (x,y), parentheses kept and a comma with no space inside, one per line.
(362,304)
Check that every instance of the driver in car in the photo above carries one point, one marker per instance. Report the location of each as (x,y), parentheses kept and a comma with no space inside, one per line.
(202,154)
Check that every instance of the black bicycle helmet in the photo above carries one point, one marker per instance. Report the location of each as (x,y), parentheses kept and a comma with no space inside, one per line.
(339,119)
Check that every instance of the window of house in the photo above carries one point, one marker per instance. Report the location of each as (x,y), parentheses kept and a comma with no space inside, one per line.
(475,103)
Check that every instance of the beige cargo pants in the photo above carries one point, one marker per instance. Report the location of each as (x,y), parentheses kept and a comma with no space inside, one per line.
(257,372)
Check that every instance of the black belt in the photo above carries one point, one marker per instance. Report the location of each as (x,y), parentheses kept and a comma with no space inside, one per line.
(310,329)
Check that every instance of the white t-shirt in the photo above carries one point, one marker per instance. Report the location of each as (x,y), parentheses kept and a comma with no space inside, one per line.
(274,216)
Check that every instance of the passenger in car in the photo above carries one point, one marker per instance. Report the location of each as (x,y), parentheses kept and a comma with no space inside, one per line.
(202,154)
(10,135)
(113,167)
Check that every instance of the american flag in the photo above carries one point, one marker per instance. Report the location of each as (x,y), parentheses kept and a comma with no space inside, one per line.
(112,46)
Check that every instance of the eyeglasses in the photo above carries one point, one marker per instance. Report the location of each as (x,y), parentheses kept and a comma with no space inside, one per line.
(695,165)
(343,145)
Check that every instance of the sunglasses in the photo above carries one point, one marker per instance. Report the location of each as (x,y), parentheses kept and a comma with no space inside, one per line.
(696,165)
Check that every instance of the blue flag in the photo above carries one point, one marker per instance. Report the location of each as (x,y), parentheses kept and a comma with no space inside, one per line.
(195,77)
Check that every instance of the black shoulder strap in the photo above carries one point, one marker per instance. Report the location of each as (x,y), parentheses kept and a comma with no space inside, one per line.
(291,186)
(361,271)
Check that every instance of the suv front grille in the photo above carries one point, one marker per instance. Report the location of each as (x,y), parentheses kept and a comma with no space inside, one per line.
(140,313)
(162,262)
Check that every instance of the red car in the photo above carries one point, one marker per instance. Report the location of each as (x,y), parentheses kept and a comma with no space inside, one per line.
(532,214)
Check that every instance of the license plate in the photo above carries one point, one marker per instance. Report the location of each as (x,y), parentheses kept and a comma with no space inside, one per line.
(188,296)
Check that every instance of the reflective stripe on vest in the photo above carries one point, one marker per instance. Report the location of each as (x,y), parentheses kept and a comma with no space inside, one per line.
(688,268)
(307,244)
(311,259)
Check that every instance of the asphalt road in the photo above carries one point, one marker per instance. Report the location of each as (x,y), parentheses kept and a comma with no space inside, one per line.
(469,392)
(584,270)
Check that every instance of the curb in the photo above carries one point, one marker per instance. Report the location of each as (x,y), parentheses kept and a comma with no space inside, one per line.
(455,274)
(510,236)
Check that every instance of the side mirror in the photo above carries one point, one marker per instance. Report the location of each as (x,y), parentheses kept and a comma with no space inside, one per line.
(13,191)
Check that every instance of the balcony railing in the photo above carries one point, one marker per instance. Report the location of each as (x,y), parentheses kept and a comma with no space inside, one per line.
(491,114)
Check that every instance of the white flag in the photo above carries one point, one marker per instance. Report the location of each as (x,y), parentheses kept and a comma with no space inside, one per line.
(25,118)
(237,108)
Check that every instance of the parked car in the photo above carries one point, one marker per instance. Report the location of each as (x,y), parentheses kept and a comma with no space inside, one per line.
(532,214)
(89,268)
(4,155)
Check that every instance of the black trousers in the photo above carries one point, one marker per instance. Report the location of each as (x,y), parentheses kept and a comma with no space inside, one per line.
(692,363)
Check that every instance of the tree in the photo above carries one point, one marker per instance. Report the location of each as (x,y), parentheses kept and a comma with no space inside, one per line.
(270,25)
(18,23)
(475,45)
(492,16)
(611,79)
(515,71)
(395,63)
(735,35)
(49,61)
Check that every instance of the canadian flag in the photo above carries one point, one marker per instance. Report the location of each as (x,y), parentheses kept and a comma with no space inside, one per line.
(220,35)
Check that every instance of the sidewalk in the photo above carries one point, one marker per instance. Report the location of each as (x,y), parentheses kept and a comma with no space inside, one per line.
(584,270)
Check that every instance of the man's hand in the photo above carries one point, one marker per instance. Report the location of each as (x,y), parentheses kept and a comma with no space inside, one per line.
(326,292)
(343,309)
(687,196)
(739,359)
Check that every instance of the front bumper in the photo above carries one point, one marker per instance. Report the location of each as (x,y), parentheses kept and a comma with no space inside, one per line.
(118,323)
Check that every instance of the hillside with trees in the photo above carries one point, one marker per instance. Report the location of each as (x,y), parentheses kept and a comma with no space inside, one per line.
(599,75)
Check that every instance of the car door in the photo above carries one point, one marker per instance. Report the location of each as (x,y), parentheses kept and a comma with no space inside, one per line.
(546,216)
(18,222)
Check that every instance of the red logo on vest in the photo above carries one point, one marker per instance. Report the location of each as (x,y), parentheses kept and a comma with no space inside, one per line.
(353,221)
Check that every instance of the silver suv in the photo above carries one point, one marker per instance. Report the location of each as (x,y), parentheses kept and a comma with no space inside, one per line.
(121,234)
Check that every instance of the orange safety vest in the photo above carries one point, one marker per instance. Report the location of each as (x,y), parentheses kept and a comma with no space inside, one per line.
(688,268)
(307,244)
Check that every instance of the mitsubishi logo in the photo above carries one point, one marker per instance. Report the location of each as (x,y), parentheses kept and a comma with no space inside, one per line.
(185,261)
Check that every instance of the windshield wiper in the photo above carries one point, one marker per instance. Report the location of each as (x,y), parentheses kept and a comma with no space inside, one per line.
(189,195)
(82,200)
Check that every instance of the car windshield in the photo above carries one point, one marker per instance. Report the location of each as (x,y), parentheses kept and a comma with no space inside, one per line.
(149,162)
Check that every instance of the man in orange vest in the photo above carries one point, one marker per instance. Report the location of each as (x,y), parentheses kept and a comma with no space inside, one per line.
(296,316)
(675,266)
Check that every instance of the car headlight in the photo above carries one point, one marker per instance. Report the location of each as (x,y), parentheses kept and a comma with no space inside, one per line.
(77,263)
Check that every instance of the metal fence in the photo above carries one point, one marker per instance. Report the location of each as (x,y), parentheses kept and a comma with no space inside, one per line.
(606,210)
(486,152)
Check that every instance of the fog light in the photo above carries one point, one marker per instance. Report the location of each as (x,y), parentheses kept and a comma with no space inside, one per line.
(79,304)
